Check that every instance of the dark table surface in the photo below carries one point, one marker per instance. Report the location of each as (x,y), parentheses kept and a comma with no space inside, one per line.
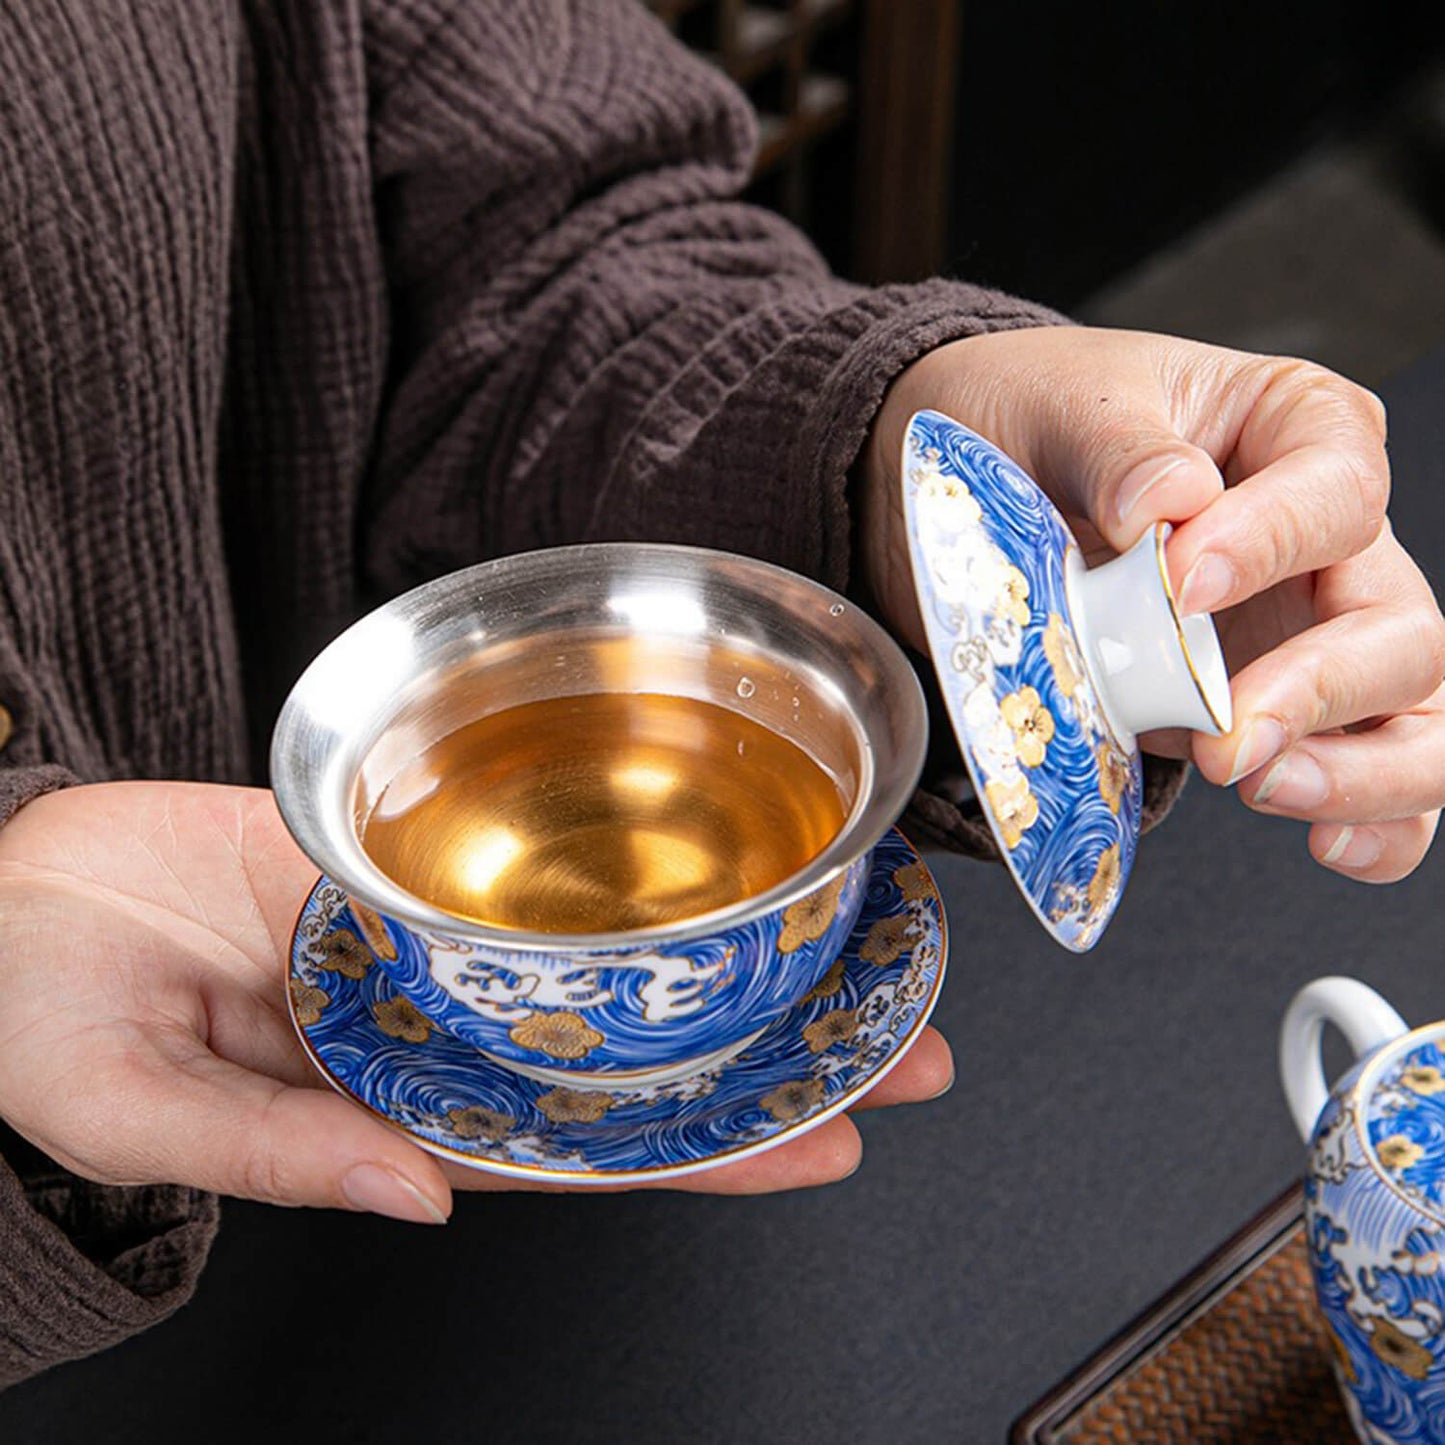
(1115,1117)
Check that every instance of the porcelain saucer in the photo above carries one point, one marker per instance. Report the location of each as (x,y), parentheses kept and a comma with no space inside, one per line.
(993,561)
(375,1047)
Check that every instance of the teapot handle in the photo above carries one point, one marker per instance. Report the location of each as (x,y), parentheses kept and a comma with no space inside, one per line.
(1354,1008)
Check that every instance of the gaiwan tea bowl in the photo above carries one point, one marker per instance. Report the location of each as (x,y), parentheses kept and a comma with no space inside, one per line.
(605,812)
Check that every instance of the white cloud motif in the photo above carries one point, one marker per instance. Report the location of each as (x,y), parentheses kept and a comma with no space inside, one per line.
(502,992)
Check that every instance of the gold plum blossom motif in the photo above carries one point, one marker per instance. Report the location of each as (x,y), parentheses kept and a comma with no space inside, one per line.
(575,1106)
(1398,1152)
(1423,1079)
(1114,774)
(795,1100)
(913,881)
(344,953)
(886,940)
(1014,807)
(1105,882)
(833,1028)
(1031,723)
(1394,1347)
(807,920)
(373,930)
(400,1018)
(562,1035)
(1062,651)
(307,1002)
(475,1122)
(1013,596)
(829,984)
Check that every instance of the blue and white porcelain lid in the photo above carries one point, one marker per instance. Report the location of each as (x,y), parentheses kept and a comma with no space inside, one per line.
(992,563)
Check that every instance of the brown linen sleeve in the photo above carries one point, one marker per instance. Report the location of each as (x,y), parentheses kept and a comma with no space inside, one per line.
(83,1265)
(593,338)
(19,785)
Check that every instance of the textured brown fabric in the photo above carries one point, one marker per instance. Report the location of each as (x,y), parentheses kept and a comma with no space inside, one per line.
(1252,1369)
(83,1266)
(302,304)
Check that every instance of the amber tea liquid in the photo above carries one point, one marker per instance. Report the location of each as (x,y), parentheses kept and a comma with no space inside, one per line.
(602,812)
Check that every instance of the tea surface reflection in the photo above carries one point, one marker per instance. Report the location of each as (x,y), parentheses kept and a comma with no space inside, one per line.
(601,813)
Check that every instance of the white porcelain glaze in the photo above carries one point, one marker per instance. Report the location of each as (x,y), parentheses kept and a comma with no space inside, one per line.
(1152,667)
(1359,1013)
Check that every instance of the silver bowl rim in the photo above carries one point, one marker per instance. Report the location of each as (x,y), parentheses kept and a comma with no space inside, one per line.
(872,816)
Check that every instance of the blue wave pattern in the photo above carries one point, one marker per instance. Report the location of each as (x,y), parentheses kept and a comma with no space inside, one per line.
(1377,1243)
(1407,1125)
(1062,795)
(625,1009)
(868,1005)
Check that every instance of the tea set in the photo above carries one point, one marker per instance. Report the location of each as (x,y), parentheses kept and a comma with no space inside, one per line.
(668,1049)
(653,1053)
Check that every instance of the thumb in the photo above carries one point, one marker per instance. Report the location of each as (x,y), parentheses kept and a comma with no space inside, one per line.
(1126,471)
(217,1126)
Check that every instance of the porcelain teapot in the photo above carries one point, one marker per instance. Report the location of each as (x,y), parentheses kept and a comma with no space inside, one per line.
(1375,1204)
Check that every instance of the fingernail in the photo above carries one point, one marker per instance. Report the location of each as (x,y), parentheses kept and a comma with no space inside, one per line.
(378,1190)
(1140,482)
(952,1080)
(1295,783)
(1355,848)
(1207,583)
(1262,740)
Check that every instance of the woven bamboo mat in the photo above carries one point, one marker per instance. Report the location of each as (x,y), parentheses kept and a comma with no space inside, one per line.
(1233,1355)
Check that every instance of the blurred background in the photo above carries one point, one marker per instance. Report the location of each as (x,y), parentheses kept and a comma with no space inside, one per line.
(1269,176)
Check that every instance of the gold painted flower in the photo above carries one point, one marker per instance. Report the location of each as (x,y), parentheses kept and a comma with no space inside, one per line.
(475,1122)
(836,1027)
(913,880)
(828,985)
(1114,775)
(575,1106)
(344,953)
(1423,1079)
(1394,1347)
(1013,596)
(886,940)
(373,930)
(807,920)
(562,1035)
(1062,652)
(1014,806)
(795,1100)
(400,1018)
(1105,882)
(308,1002)
(1398,1152)
(1031,723)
